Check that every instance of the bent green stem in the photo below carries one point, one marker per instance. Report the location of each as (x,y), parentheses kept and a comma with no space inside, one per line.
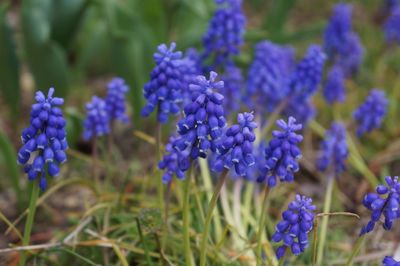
(324,224)
(186,219)
(261,231)
(34,188)
(211,207)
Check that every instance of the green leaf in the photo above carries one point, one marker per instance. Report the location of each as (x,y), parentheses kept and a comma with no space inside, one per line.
(277,16)
(9,67)
(10,158)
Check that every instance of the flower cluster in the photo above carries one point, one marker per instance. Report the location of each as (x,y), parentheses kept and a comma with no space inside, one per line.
(164,90)
(386,202)
(342,45)
(370,114)
(282,154)
(232,90)
(115,100)
(97,119)
(225,32)
(203,122)
(268,74)
(235,149)
(45,139)
(334,90)
(389,261)
(294,228)
(170,162)
(392,28)
(334,150)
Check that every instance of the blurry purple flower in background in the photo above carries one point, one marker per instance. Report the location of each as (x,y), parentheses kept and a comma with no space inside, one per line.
(97,119)
(297,223)
(235,148)
(233,87)
(164,90)
(170,162)
(334,89)
(386,202)
(282,154)
(369,115)
(341,44)
(115,100)
(225,32)
(203,122)
(268,76)
(334,150)
(44,139)
(389,261)
(392,26)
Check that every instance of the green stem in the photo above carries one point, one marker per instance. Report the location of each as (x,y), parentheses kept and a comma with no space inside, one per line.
(34,188)
(160,187)
(314,252)
(210,210)
(146,251)
(186,219)
(356,249)
(261,231)
(324,224)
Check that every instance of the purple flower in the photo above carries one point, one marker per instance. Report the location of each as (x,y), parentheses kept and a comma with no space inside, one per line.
(300,108)
(350,54)
(115,100)
(384,202)
(203,122)
(97,119)
(164,90)
(44,140)
(297,223)
(389,261)
(334,90)
(225,32)
(392,26)
(232,90)
(170,162)
(282,153)
(268,75)
(235,149)
(370,114)
(334,150)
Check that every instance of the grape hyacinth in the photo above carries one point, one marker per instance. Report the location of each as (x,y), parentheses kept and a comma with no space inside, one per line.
(334,90)
(390,261)
(164,90)
(297,223)
(170,162)
(235,149)
(232,90)
(282,154)
(268,74)
(307,76)
(334,150)
(203,122)
(300,108)
(115,100)
(44,141)
(392,26)
(384,202)
(225,32)
(97,119)
(350,54)
(370,114)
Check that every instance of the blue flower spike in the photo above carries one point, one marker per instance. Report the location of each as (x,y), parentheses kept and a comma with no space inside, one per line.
(334,150)
(386,202)
(390,261)
(392,28)
(171,161)
(297,222)
(235,150)
(115,100)
(371,113)
(164,90)
(203,121)
(44,141)
(334,90)
(282,154)
(97,119)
